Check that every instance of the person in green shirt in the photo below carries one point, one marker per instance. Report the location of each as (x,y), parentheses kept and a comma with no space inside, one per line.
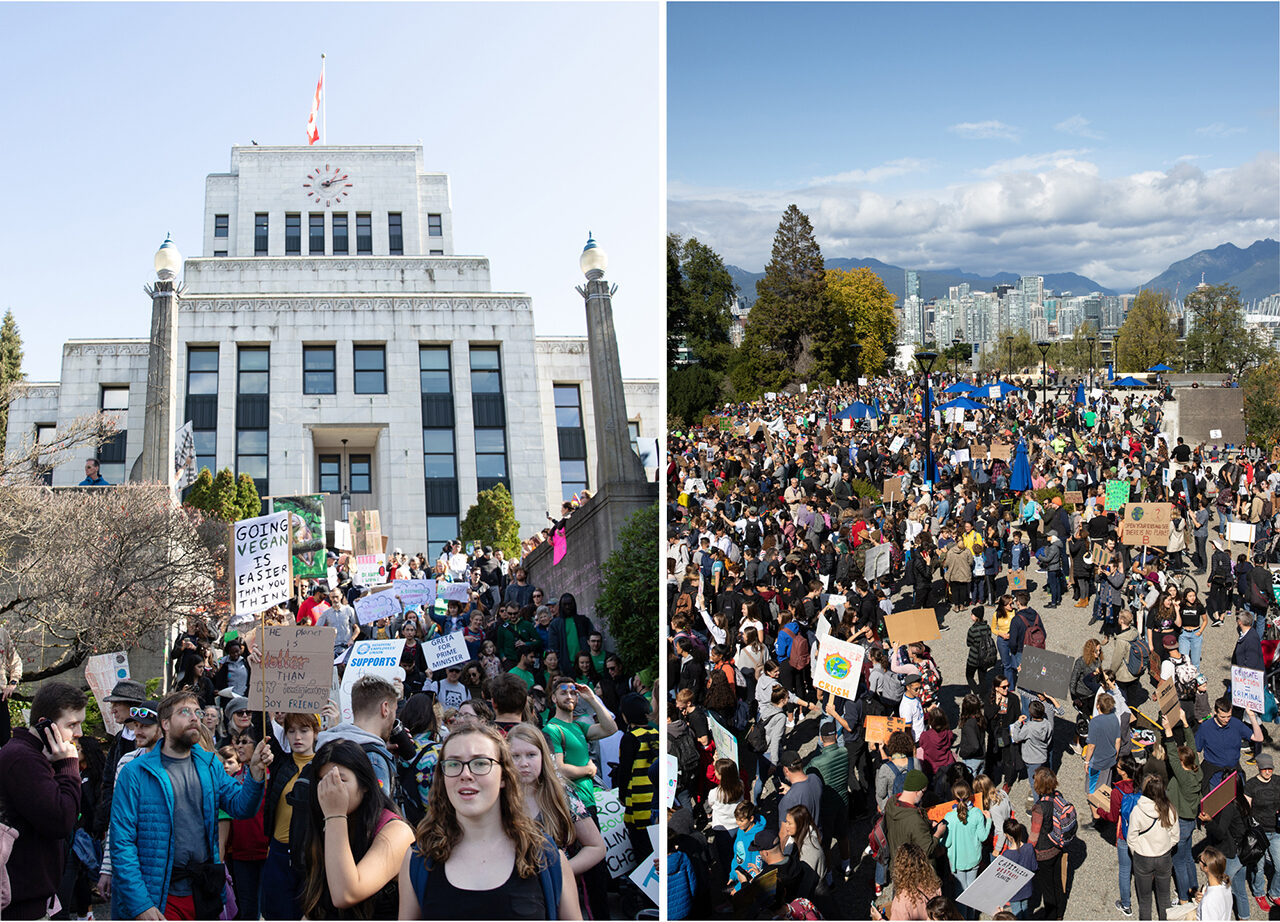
(570,739)
(513,630)
(831,764)
(526,665)
(597,652)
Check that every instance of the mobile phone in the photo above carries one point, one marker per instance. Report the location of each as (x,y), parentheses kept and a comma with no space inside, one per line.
(43,725)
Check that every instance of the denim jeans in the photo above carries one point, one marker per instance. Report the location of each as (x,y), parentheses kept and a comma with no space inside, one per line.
(963,880)
(1055,586)
(1189,643)
(1239,891)
(1151,875)
(1184,866)
(1011,668)
(1126,873)
(1031,772)
(1006,660)
(1259,881)
(977,765)
(1018,908)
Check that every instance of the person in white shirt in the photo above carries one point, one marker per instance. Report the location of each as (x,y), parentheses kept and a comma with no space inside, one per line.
(1215,900)
(910,709)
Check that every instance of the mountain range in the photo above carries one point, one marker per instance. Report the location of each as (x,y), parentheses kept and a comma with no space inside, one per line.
(1255,271)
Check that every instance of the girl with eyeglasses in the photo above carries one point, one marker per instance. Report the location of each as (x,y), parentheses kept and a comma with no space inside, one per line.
(478,854)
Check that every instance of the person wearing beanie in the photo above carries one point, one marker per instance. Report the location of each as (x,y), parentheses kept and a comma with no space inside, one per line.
(905,821)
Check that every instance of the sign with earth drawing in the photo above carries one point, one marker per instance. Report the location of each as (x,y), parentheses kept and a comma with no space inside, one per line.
(839,667)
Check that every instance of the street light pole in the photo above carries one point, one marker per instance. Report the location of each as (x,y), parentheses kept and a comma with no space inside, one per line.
(1091,340)
(926,360)
(955,355)
(856,349)
(1009,340)
(1043,346)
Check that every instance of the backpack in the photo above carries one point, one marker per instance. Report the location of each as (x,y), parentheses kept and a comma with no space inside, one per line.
(1139,654)
(1253,844)
(684,603)
(752,535)
(1065,824)
(988,655)
(1127,802)
(757,737)
(783,648)
(878,842)
(682,745)
(899,776)
(1034,634)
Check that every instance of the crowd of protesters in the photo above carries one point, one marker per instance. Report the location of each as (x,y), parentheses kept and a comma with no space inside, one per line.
(783,531)
(465,792)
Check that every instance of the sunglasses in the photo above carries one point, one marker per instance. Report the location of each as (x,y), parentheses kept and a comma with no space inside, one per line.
(142,713)
(480,765)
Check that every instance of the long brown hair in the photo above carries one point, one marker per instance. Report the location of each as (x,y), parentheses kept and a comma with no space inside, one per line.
(439,830)
(553,803)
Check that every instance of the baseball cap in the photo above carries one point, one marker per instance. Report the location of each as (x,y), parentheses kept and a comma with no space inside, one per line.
(1265,761)
(828,728)
(766,838)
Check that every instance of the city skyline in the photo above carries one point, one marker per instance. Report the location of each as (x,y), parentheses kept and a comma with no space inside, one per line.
(1104,139)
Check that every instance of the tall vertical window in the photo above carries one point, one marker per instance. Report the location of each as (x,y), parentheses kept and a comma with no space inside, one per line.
(293,235)
(435,226)
(253,414)
(220,225)
(646,453)
(315,243)
(490,418)
(202,404)
(259,234)
(371,369)
(318,370)
(111,454)
(572,439)
(339,235)
(360,473)
(364,234)
(438,449)
(395,235)
(46,433)
(330,474)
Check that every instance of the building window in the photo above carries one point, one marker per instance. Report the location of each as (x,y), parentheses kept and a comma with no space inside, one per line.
(438,446)
(572,439)
(259,234)
(202,404)
(437,253)
(371,369)
(339,235)
(253,414)
(435,226)
(360,472)
(395,235)
(111,454)
(220,225)
(647,457)
(364,235)
(315,245)
(330,473)
(219,252)
(293,235)
(319,373)
(46,433)
(489,417)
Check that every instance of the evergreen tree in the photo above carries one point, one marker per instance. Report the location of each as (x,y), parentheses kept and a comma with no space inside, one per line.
(1148,335)
(199,493)
(10,369)
(248,503)
(492,521)
(700,295)
(676,315)
(628,601)
(222,497)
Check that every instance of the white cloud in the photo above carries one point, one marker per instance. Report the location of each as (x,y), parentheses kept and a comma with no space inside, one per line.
(1218,130)
(1078,125)
(1186,157)
(1033,162)
(875,174)
(984,130)
(1059,215)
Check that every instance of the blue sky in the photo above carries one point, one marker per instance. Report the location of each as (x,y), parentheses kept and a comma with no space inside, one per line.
(115,113)
(1109,139)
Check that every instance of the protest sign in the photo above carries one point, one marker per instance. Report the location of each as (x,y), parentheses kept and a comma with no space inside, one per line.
(369,570)
(375,605)
(1046,671)
(1213,802)
(1167,700)
(879,560)
(415,592)
(970,425)
(996,885)
(645,876)
(960,456)
(342,536)
(879,729)
(938,812)
(452,592)
(670,778)
(862,382)
(102,672)
(1246,689)
(295,671)
(725,742)
(1101,798)
(1146,524)
(261,573)
(331,576)
(893,490)
(993,392)
(770,396)
(920,625)
(1117,495)
(445,650)
(981,452)
(895,420)
(306,517)
(1240,533)
(1075,497)
(695,485)
(1017,580)
(846,424)
(896,445)
(1215,433)
(370,657)
(366,532)
(1000,452)
(839,667)
(620,857)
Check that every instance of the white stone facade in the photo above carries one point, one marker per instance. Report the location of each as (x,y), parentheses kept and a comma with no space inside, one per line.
(286,301)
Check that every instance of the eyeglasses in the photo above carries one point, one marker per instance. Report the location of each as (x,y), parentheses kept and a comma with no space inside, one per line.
(187,712)
(480,765)
(143,713)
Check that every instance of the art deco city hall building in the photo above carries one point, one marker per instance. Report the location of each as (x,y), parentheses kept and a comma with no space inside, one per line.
(331,338)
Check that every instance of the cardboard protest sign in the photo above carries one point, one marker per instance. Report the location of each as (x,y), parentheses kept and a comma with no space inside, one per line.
(893,490)
(895,420)
(1001,452)
(415,592)
(646,876)
(938,812)
(369,570)
(879,729)
(981,452)
(960,456)
(1017,580)
(1101,797)
(366,532)
(1075,497)
(670,778)
(1240,533)
(920,625)
(1215,433)
(839,667)
(1117,495)
(1047,672)
(331,576)
(620,857)
(996,885)
(695,485)
(261,571)
(708,421)
(896,445)
(1167,700)
(375,605)
(726,743)
(1246,689)
(295,671)
(370,657)
(1213,802)
(102,672)
(452,592)
(846,424)
(445,650)
(306,516)
(879,560)
(1146,524)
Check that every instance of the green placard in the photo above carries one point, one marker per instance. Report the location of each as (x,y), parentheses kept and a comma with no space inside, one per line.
(1117,494)
(725,423)
(307,518)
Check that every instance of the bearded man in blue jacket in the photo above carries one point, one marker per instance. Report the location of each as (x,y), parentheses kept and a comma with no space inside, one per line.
(164,820)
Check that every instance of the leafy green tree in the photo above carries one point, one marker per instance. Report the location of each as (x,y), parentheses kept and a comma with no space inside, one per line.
(1262,402)
(492,521)
(10,368)
(1073,353)
(692,393)
(247,500)
(698,306)
(1148,335)
(1026,356)
(862,312)
(219,495)
(629,600)
(675,300)
(1218,340)
(199,492)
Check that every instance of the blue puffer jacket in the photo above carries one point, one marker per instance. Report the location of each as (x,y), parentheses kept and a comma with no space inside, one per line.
(142,826)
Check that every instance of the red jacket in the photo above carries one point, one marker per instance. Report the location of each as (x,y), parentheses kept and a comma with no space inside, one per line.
(248,840)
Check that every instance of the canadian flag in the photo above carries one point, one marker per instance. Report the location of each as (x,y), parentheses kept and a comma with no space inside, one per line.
(313,129)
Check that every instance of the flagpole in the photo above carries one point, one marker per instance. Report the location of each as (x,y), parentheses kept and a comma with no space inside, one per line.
(324,104)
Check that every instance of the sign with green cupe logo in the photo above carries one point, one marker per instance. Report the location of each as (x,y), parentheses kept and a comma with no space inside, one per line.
(306,517)
(1117,495)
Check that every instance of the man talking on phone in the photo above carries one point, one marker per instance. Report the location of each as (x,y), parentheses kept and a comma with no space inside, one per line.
(40,797)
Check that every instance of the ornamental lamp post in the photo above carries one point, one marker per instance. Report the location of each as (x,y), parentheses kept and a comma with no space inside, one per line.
(156,461)
(926,360)
(955,356)
(1043,346)
(1009,339)
(1091,340)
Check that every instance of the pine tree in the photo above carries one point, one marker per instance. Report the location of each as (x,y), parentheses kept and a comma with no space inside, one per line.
(199,493)
(222,499)
(10,368)
(492,521)
(248,503)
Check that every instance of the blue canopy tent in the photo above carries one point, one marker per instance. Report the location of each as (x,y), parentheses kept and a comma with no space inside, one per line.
(1128,381)
(1020,474)
(1161,367)
(1080,392)
(857,410)
(960,403)
(960,387)
(1003,390)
